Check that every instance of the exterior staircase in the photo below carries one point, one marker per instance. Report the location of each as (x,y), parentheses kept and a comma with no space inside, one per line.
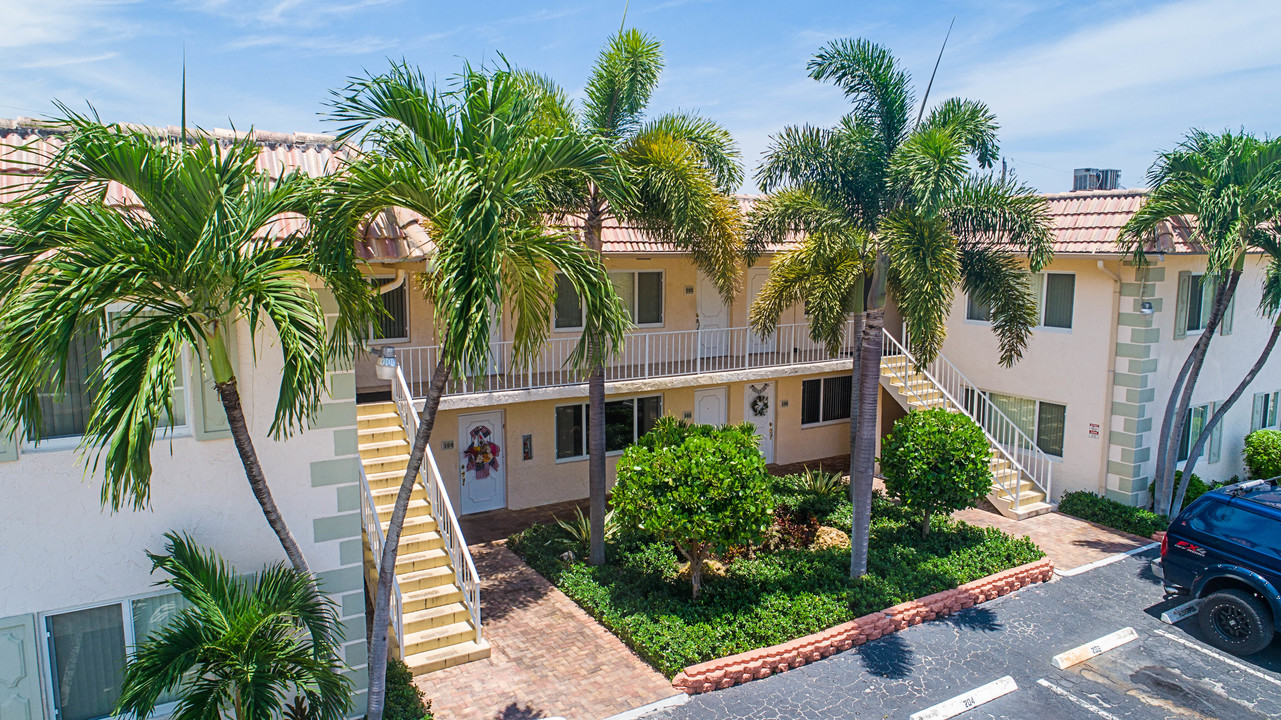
(1020,471)
(436,627)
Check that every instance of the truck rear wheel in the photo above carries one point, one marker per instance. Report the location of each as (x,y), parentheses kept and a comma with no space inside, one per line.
(1236,621)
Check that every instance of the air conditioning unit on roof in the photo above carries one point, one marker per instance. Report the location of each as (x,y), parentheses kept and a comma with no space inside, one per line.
(1095,179)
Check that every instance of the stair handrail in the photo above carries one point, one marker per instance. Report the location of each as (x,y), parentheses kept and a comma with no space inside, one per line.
(1039,471)
(374,531)
(433,485)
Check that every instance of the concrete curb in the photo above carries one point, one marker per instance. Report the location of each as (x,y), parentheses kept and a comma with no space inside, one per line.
(763,662)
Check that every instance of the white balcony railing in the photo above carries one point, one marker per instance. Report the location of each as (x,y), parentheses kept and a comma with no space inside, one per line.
(644,355)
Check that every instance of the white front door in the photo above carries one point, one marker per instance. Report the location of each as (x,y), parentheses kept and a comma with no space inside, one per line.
(482,462)
(711,407)
(713,319)
(758,408)
(756,278)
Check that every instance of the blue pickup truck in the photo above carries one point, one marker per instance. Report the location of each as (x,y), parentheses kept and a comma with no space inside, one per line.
(1225,550)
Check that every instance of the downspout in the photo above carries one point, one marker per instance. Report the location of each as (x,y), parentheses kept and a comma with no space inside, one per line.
(395,282)
(1105,431)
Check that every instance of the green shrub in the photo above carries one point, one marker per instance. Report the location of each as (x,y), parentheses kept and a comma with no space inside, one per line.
(702,488)
(822,483)
(404,700)
(1110,513)
(1263,454)
(576,533)
(771,597)
(936,461)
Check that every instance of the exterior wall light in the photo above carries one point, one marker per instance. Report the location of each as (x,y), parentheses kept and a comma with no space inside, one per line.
(386,368)
(1146,308)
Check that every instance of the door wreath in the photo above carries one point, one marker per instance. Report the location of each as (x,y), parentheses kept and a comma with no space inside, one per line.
(760,400)
(482,454)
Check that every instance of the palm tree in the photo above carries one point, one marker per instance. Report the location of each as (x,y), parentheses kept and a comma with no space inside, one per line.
(240,646)
(889,207)
(1231,184)
(678,172)
(199,253)
(473,163)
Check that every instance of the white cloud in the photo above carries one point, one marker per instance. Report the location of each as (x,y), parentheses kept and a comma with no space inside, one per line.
(326,44)
(65,60)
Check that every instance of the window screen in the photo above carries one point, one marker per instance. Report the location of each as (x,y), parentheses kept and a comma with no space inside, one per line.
(1059,291)
(1050,428)
(1192,426)
(569,309)
(648,411)
(978,310)
(649,298)
(811,401)
(149,615)
(393,322)
(836,398)
(570,429)
(87,657)
(620,424)
(66,413)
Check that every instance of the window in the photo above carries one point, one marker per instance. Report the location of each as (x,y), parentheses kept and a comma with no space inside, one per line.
(1058,291)
(1193,424)
(976,309)
(642,293)
(1265,411)
(625,421)
(825,400)
(569,308)
(1195,302)
(87,650)
(392,324)
(116,317)
(65,412)
(1043,422)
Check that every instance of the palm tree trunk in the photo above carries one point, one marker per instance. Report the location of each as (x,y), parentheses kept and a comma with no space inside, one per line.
(1195,453)
(230,397)
(1171,440)
(863,466)
(378,641)
(596,424)
(856,378)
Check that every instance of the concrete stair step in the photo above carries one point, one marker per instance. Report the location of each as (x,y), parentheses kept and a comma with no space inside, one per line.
(438,637)
(382,449)
(433,660)
(417,508)
(422,542)
(386,495)
(385,464)
(425,597)
(435,617)
(374,408)
(1027,510)
(414,526)
(425,560)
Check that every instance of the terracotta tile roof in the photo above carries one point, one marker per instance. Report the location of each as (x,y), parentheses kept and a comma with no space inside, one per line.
(1090,221)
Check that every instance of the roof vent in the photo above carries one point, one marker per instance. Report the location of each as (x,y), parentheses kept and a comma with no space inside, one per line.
(1095,179)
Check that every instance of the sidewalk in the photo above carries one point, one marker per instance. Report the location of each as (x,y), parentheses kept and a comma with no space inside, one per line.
(1070,542)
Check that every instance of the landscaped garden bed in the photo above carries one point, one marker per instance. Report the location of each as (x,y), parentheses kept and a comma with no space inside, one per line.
(794,584)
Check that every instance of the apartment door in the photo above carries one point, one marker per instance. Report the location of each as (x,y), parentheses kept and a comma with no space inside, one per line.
(756,278)
(482,462)
(758,408)
(713,320)
(711,406)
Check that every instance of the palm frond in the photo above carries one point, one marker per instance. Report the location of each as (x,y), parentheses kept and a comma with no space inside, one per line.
(987,211)
(872,80)
(925,269)
(714,145)
(971,123)
(994,277)
(621,84)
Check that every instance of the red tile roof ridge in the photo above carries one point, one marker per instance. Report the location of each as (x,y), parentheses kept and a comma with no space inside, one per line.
(25,126)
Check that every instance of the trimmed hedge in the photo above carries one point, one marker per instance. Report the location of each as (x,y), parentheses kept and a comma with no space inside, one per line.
(768,598)
(1113,514)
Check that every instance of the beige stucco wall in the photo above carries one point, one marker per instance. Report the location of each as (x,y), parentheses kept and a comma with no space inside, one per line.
(544,480)
(1068,367)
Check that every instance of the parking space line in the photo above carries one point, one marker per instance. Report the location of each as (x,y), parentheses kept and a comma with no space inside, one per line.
(1106,561)
(1240,666)
(1076,700)
(967,701)
(1081,653)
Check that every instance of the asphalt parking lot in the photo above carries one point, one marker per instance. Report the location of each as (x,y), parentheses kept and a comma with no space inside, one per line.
(1166,672)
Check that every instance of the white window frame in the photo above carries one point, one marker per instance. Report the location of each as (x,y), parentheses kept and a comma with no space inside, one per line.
(373,339)
(582,315)
(1042,285)
(969,303)
(611,453)
(635,299)
(1209,409)
(44,646)
(1271,399)
(822,390)
(1035,435)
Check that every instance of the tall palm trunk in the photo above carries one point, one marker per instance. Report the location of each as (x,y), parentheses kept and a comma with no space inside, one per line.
(1195,453)
(856,379)
(1170,440)
(391,547)
(863,464)
(230,397)
(596,419)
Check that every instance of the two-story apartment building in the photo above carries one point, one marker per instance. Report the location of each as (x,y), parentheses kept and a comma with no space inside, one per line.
(1091,388)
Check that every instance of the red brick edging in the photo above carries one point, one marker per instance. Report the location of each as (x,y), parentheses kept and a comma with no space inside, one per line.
(761,663)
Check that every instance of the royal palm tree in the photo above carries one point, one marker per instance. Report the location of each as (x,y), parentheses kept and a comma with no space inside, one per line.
(1231,185)
(678,172)
(473,162)
(199,253)
(891,207)
(239,646)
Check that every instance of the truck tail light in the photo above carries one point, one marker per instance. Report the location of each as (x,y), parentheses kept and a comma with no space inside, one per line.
(1165,544)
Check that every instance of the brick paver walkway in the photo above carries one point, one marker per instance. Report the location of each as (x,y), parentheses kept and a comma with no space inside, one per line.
(550,658)
(1070,542)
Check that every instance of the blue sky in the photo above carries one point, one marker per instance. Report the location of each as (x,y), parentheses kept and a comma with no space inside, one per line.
(1079,83)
